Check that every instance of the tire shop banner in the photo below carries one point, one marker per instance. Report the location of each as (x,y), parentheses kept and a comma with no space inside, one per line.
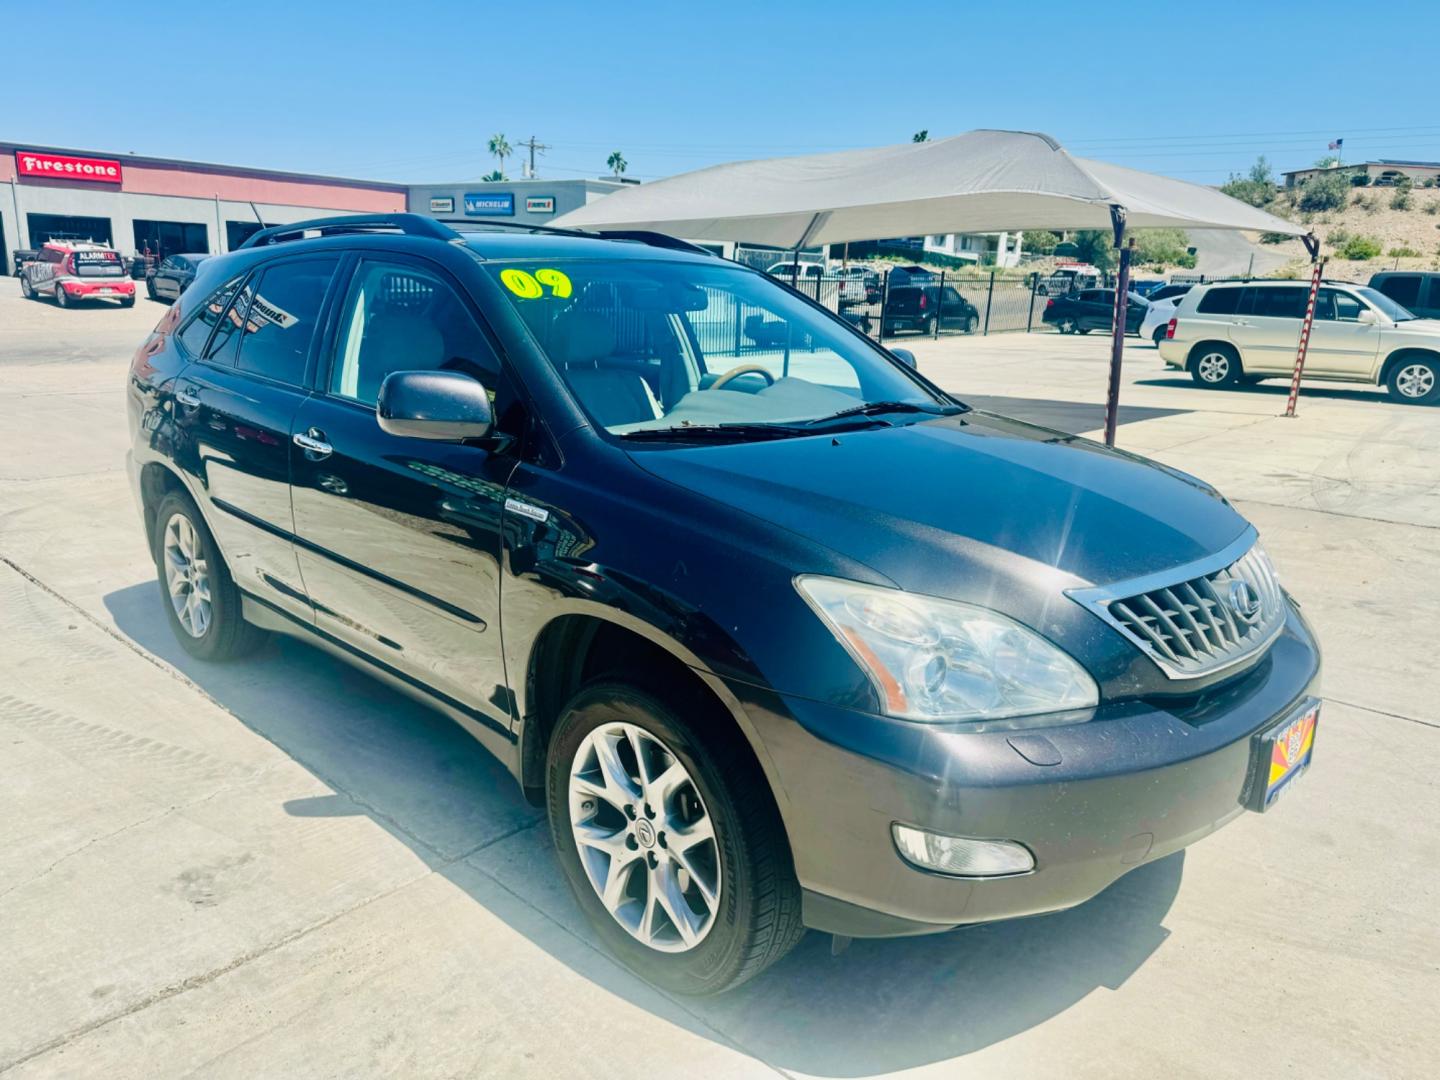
(96,170)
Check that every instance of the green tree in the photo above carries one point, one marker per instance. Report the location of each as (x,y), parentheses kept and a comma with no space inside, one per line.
(1329,161)
(1039,241)
(1096,247)
(617,163)
(1167,246)
(493,174)
(500,147)
(1257,187)
(923,135)
(1328,191)
(1360,248)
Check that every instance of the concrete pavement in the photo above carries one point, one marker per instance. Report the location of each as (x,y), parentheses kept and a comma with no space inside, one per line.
(280,867)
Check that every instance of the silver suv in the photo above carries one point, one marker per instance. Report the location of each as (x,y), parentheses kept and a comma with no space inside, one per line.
(1226,334)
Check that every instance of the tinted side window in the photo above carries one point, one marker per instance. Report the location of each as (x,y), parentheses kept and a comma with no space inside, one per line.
(280,321)
(197,331)
(403,318)
(1333,304)
(226,343)
(1404,289)
(1220,302)
(1284,302)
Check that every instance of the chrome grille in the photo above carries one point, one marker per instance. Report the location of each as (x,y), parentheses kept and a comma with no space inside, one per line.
(1199,618)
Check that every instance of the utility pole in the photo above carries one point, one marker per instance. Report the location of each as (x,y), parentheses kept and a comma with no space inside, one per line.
(535,148)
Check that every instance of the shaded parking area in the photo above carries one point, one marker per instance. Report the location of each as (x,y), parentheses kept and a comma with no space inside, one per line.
(281,867)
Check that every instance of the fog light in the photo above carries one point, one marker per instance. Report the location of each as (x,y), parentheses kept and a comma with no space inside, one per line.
(961,856)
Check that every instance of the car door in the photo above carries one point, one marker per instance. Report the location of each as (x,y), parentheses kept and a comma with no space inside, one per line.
(1097,309)
(1268,330)
(163,281)
(955,312)
(399,538)
(235,405)
(1340,344)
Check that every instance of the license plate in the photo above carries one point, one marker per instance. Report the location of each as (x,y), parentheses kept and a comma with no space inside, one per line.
(1281,756)
(106,292)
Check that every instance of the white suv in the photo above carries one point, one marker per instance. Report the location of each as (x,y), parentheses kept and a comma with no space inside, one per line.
(1225,334)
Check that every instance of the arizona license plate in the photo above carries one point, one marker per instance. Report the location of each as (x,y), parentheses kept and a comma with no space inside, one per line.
(106,292)
(1281,756)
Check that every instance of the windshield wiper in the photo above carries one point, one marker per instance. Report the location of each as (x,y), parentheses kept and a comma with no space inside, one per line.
(717,433)
(875,408)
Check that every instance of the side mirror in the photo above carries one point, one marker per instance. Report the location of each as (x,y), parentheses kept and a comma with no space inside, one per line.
(906,357)
(1367,316)
(441,405)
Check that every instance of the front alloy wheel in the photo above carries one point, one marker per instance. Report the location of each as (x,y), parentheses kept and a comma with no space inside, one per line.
(1414,382)
(644,836)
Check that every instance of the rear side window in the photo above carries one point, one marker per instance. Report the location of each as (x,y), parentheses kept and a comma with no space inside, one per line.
(279,324)
(1220,302)
(197,331)
(1284,302)
(1404,289)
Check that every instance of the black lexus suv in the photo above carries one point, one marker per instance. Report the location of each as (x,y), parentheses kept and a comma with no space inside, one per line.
(780,634)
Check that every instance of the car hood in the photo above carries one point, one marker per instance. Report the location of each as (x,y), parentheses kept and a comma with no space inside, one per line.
(1423,328)
(953,505)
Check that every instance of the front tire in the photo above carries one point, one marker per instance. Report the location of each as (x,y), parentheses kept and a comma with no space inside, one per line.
(667,840)
(972,323)
(150,290)
(1414,382)
(26,289)
(1216,367)
(201,601)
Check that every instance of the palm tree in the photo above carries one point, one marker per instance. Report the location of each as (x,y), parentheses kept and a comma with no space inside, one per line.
(617,163)
(501,148)
(923,135)
(493,174)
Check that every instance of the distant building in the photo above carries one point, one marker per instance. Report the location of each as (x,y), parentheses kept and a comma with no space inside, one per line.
(992,249)
(528,202)
(1383,172)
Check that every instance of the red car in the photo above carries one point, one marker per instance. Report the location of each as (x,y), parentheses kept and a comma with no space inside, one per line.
(72,271)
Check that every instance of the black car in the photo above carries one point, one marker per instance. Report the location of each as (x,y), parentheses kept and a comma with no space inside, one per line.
(780,634)
(173,276)
(1417,292)
(1093,309)
(916,307)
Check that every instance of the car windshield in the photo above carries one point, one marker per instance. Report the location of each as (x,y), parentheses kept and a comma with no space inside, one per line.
(1385,304)
(679,347)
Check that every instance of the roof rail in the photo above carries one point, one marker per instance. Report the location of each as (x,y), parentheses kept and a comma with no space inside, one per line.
(407,224)
(522,226)
(654,239)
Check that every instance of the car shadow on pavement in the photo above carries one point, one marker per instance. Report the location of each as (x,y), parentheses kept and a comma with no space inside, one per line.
(879,1006)
(1279,387)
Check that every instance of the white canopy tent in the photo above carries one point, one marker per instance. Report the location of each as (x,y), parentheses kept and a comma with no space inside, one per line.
(982,181)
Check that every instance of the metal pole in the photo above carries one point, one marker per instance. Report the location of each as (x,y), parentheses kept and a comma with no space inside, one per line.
(1030,316)
(1313,245)
(939,305)
(989,302)
(1117,334)
(884,299)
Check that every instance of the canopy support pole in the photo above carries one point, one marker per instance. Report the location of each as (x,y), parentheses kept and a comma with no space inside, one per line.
(1117,338)
(1317,267)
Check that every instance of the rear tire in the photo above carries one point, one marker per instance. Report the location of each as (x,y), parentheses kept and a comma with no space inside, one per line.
(200,599)
(61,298)
(1216,366)
(1158,336)
(741,905)
(1414,381)
(1065,326)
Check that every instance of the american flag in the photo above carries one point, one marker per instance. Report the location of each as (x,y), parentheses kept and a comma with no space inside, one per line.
(1337,144)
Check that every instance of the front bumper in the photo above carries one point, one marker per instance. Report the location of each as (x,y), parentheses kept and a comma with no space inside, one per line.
(1135,783)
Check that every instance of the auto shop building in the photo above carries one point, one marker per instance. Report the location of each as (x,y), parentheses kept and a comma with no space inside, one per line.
(135,203)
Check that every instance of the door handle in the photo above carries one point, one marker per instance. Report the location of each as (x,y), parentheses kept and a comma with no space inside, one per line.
(186,398)
(313,443)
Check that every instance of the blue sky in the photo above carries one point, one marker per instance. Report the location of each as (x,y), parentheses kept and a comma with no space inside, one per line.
(411,91)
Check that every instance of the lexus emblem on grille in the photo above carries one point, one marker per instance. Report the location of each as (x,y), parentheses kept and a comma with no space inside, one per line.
(1244,602)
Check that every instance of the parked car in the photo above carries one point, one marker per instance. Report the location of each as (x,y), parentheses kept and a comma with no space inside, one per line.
(1161,310)
(171,277)
(1069,279)
(1416,292)
(869,279)
(1092,309)
(22,257)
(916,307)
(73,272)
(820,284)
(791,637)
(1228,334)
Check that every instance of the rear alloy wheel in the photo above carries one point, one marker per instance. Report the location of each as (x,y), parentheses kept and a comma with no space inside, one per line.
(1415,382)
(1065,326)
(201,601)
(667,841)
(1215,366)
(61,297)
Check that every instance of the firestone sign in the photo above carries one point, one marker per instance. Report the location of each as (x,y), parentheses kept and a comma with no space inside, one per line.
(96,170)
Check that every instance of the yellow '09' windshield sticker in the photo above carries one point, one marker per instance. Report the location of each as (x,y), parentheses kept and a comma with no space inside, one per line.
(529,286)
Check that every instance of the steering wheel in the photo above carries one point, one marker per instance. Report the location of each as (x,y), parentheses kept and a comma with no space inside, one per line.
(742,369)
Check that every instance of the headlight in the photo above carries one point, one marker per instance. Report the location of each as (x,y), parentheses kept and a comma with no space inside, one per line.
(933,659)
